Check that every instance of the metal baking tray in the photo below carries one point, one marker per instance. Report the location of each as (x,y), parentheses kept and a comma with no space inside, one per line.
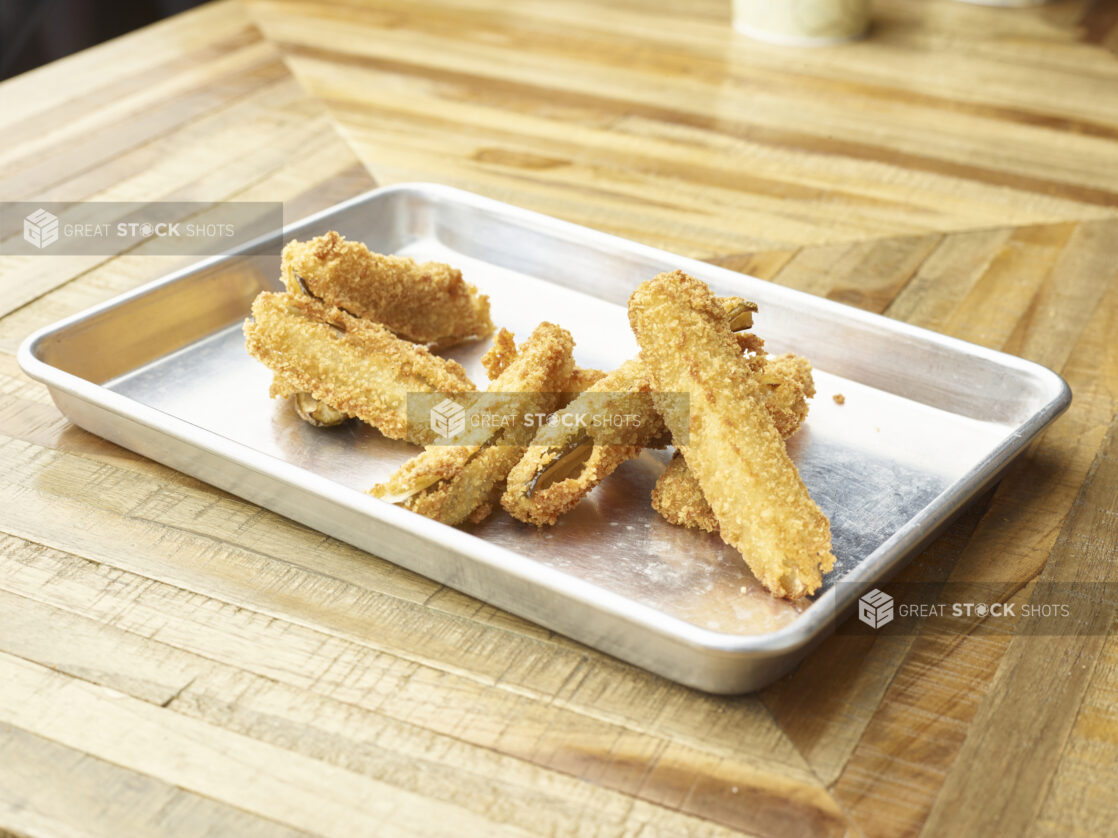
(928,421)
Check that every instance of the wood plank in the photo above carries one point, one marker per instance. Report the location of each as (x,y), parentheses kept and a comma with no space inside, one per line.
(103,799)
(946,276)
(866,274)
(1080,797)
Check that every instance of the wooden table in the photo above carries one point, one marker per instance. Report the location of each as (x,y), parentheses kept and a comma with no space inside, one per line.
(176,661)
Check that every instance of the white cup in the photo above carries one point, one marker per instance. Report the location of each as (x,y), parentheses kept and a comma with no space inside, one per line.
(802,22)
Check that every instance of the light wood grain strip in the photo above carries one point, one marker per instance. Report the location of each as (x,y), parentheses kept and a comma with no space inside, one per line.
(59,141)
(763,264)
(1029,292)
(51,790)
(34,176)
(994,305)
(1080,278)
(266,129)
(1080,798)
(18,821)
(867,275)
(946,276)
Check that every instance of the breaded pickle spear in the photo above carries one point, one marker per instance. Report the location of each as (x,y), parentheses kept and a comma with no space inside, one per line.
(728,438)
(355,366)
(786,384)
(457,483)
(565,462)
(426,302)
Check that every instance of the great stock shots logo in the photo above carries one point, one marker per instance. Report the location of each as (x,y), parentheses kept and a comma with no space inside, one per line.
(448,418)
(875,609)
(40,228)
(159,228)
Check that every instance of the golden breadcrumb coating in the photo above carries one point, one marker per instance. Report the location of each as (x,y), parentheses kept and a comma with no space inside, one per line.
(624,392)
(456,483)
(426,302)
(504,350)
(786,385)
(679,499)
(733,447)
(355,366)
(582,380)
(500,354)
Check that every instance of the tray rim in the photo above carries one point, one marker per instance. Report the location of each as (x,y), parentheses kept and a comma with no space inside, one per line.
(827,610)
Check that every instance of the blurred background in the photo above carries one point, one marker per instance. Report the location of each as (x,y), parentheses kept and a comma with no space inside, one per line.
(34,32)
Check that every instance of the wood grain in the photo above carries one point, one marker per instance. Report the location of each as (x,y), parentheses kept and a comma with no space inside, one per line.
(1002,765)
(174,660)
(656,121)
(204,110)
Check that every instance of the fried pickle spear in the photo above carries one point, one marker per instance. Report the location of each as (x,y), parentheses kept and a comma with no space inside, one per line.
(425,302)
(457,483)
(565,462)
(786,385)
(727,437)
(356,367)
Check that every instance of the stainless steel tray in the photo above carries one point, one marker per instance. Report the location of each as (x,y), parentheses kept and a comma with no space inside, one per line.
(928,422)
